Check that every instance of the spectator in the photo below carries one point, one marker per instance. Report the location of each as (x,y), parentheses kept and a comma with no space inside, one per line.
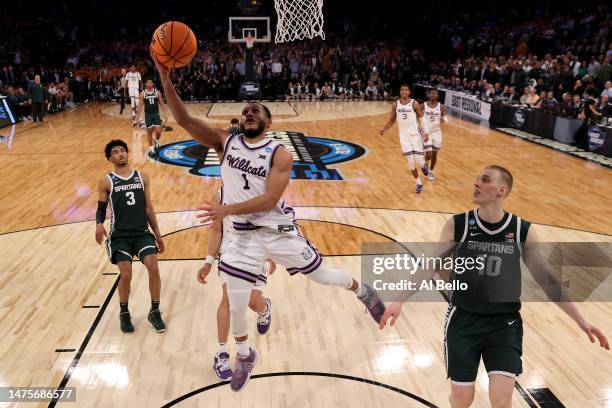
(525,97)
(607,89)
(533,98)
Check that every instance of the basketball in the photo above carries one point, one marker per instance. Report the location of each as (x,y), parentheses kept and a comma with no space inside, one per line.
(174,44)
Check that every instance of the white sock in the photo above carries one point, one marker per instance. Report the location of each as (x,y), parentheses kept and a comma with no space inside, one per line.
(223,348)
(418,180)
(243,348)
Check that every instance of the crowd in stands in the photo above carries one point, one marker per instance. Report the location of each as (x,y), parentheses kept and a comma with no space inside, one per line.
(535,56)
(561,64)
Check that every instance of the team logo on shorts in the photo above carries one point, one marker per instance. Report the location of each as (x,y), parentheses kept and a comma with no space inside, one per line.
(306,253)
(311,155)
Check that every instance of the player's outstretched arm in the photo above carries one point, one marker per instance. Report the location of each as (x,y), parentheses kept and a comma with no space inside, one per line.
(197,128)
(555,290)
(391,120)
(280,173)
(151,213)
(103,191)
(446,243)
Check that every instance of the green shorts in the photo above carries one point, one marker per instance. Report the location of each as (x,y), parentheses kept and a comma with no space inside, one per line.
(125,247)
(152,120)
(497,339)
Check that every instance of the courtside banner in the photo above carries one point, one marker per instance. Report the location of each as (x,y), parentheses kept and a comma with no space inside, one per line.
(467,104)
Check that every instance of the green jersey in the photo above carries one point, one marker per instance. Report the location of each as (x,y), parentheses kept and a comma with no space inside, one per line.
(494,286)
(128,207)
(151,103)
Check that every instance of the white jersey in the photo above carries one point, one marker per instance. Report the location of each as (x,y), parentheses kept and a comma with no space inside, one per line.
(133,79)
(432,116)
(244,171)
(407,118)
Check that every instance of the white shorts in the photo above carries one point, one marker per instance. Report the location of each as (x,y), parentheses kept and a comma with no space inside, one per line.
(435,141)
(262,277)
(411,144)
(134,94)
(248,250)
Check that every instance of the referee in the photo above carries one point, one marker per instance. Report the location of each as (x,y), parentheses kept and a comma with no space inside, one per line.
(122,91)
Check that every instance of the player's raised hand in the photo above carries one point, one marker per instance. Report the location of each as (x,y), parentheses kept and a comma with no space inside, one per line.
(203,273)
(392,311)
(100,233)
(594,333)
(164,72)
(212,212)
(161,247)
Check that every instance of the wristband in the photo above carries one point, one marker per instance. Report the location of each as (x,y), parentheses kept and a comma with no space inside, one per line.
(101,212)
(209,260)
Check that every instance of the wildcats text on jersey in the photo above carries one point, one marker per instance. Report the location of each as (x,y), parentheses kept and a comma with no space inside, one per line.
(245,165)
(311,156)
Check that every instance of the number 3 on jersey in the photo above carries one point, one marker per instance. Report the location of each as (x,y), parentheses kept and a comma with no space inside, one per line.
(130,196)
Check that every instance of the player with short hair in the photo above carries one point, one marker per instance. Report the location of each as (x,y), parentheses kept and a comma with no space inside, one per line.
(129,194)
(412,132)
(134,85)
(434,112)
(151,101)
(255,172)
(483,321)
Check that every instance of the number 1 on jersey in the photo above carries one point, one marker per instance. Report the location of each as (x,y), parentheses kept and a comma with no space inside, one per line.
(246,182)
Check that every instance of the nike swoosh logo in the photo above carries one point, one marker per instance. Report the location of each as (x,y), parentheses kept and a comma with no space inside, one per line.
(474,234)
(510,323)
(235,148)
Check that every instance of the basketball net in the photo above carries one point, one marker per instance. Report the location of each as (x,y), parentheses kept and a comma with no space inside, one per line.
(298,19)
(250,40)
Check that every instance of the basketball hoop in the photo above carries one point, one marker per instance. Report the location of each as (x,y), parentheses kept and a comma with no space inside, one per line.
(298,19)
(250,40)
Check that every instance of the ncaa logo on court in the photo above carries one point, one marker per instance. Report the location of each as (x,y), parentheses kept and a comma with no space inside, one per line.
(311,155)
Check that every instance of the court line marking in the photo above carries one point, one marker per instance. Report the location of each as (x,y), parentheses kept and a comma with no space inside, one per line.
(98,318)
(315,206)
(88,336)
(94,326)
(305,373)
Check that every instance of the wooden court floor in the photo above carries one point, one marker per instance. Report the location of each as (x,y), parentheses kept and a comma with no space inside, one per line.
(58,298)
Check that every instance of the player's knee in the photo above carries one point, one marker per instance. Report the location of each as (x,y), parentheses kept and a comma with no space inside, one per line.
(500,400)
(500,397)
(462,397)
(125,275)
(238,303)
